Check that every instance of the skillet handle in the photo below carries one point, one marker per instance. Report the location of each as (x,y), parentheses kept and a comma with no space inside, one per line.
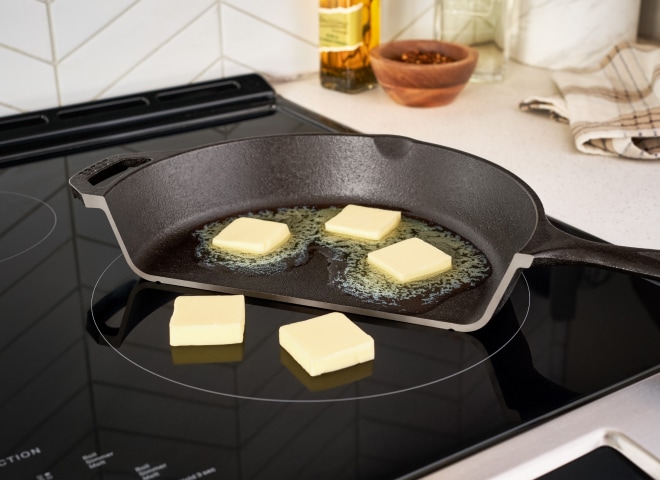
(551,246)
(97,179)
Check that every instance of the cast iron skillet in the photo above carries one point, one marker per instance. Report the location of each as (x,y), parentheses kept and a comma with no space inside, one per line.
(154,201)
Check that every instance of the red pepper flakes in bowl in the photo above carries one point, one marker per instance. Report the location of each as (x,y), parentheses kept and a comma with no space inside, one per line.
(421,57)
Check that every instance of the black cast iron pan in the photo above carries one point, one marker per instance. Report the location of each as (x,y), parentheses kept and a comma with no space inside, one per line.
(154,201)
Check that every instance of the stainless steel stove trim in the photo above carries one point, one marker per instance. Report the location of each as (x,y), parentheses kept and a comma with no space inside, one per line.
(627,420)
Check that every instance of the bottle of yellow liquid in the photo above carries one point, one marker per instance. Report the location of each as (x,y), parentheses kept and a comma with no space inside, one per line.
(348,30)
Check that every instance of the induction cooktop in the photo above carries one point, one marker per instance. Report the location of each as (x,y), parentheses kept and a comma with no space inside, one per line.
(91,388)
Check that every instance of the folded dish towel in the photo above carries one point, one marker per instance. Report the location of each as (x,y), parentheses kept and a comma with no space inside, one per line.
(613,109)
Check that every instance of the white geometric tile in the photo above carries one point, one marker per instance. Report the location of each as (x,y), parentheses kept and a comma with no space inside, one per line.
(260,46)
(422,27)
(4,111)
(231,69)
(212,72)
(406,20)
(24,26)
(74,21)
(25,83)
(180,60)
(119,47)
(298,18)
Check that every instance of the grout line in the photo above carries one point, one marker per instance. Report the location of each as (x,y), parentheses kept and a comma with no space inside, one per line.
(148,55)
(261,20)
(206,69)
(12,107)
(97,32)
(413,21)
(222,40)
(270,78)
(53,53)
(25,54)
(252,69)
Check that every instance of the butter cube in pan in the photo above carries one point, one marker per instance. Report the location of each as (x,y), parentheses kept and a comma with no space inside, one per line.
(207,320)
(252,235)
(363,222)
(326,343)
(410,260)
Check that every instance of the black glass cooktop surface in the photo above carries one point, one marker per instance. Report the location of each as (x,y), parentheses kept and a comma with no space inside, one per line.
(91,388)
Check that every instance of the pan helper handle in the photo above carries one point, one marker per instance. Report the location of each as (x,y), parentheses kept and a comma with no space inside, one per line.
(97,179)
(552,246)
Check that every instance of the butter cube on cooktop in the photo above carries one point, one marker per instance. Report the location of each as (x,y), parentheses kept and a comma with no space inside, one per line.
(252,235)
(364,222)
(207,320)
(326,343)
(410,260)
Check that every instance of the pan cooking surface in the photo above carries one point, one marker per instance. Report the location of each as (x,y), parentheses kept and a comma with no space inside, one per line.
(407,357)
(348,270)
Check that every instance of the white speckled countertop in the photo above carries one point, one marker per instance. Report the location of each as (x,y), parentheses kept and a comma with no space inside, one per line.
(615,199)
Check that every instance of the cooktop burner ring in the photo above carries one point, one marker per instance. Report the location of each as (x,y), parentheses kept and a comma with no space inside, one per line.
(5,256)
(239,396)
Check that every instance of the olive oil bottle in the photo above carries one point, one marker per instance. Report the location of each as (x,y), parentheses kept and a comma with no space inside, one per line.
(348,30)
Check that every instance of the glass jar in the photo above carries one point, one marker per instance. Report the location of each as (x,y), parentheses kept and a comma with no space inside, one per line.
(348,30)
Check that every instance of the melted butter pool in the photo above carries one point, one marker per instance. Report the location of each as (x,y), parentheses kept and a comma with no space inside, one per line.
(348,269)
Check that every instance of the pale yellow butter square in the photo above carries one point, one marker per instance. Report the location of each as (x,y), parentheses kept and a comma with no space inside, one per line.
(327,343)
(364,222)
(252,235)
(410,260)
(207,320)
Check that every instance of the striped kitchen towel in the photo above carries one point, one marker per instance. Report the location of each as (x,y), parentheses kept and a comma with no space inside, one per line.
(613,109)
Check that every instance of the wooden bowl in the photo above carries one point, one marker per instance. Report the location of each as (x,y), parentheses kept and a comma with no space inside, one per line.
(425,84)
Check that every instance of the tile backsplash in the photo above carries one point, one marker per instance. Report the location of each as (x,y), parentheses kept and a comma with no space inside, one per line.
(61,52)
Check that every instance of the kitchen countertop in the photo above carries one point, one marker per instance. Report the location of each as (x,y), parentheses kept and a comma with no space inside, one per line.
(613,198)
